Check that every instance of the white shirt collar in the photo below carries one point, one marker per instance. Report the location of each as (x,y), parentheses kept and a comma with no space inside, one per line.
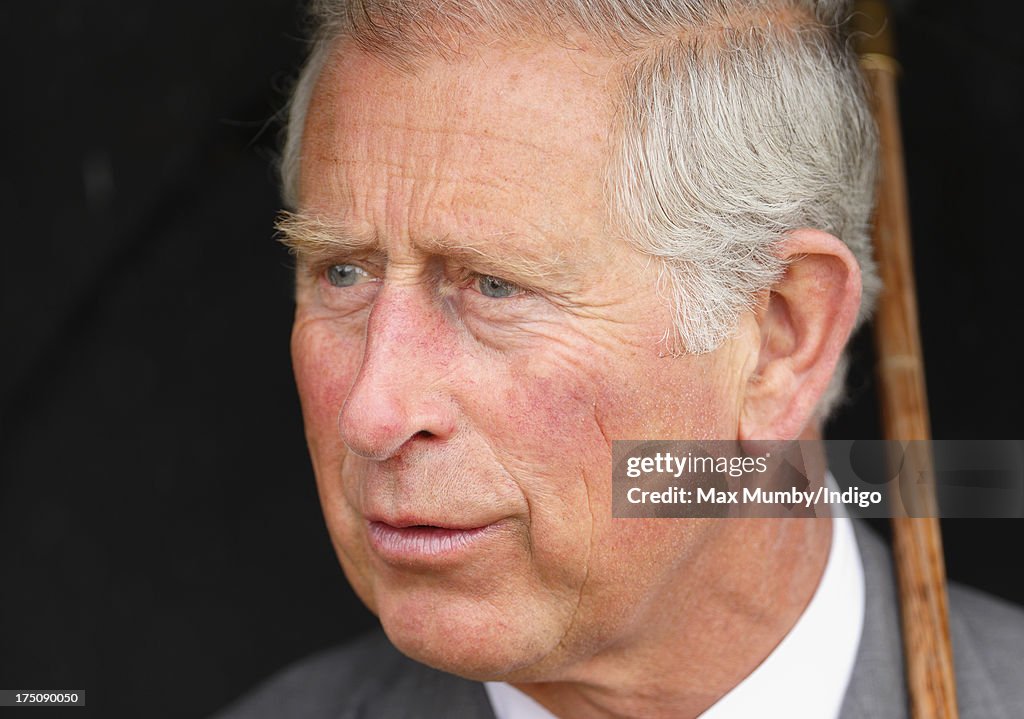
(805,676)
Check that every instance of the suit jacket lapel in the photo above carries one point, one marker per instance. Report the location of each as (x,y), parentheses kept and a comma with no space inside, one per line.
(877,688)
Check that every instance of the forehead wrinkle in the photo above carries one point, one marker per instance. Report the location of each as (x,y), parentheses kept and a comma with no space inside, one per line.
(449,130)
(376,141)
(424,169)
(401,170)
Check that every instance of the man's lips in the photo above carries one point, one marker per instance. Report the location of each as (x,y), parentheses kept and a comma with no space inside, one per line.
(406,542)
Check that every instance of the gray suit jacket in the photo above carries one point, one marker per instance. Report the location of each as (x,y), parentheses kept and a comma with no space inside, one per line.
(370,678)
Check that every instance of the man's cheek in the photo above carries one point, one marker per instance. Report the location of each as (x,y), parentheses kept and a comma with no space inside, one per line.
(552,408)
(325,367)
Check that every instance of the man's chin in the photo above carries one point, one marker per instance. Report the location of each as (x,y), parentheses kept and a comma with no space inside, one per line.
(477,645)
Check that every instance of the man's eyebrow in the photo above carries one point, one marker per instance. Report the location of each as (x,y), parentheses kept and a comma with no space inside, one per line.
(315,239)
(312,238)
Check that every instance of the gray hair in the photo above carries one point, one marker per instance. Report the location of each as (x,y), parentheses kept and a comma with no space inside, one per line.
(738,121)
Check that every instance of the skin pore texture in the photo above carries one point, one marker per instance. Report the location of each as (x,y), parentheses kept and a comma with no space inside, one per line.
(468,340)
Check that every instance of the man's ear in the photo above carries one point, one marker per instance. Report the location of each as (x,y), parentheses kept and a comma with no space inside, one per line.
(803,325)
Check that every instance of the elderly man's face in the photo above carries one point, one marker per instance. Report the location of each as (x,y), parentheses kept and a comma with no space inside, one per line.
(468,349)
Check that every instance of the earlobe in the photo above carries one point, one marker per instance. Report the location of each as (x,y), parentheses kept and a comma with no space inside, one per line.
(803,325)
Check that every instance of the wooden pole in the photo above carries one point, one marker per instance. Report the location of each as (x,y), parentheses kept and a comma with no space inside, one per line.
(917,543)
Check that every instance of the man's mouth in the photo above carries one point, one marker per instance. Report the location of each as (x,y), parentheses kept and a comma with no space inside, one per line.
(412,543)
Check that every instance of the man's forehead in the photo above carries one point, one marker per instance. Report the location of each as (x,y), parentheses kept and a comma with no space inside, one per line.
(524,97)
(511,145)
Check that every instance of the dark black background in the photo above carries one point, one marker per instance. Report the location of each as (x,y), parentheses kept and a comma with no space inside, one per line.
(161,544)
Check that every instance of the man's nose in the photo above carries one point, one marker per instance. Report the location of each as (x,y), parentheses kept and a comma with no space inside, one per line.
(399,395)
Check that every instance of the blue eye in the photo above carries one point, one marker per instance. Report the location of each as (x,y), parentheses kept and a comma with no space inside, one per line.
(345,275)
(496,287)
